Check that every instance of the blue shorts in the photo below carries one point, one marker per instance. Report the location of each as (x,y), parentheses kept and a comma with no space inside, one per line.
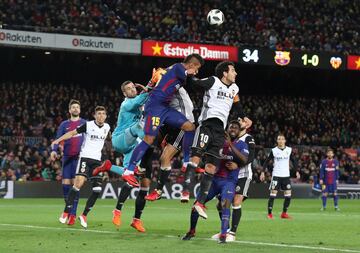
(330,188)
(69,166)
(156,115)
(222,187)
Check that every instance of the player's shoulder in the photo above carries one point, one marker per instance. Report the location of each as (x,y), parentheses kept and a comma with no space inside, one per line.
(249,139)
(288,148)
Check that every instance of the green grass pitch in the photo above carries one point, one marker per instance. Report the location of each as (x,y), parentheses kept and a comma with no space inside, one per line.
(31,225)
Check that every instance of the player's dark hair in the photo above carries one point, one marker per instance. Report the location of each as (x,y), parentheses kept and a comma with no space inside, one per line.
(124,84)
(73,102)
(223,67)
(281,134)
(329,149)
(197,56)
(100,108)
(235,122)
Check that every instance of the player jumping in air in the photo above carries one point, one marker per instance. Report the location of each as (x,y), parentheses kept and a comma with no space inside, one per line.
(281,155)
(158,112)
(95,133)
(225,180)
(70,159)
(220,97)
(329,176)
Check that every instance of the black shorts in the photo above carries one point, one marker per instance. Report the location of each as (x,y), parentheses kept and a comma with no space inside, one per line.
(173,136)
(280,183)
(86,166)
(242,186)
(209,138)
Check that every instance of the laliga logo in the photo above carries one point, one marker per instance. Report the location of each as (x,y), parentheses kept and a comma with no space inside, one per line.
(335,62)
(282,58)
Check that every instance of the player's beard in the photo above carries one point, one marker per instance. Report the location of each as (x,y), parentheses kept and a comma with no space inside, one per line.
(75,115)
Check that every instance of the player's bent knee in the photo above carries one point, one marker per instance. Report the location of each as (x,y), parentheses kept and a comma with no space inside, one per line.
(238,199)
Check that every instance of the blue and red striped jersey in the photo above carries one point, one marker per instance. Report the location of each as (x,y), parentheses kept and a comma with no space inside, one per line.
(329,171)
(169,83)
(72,146)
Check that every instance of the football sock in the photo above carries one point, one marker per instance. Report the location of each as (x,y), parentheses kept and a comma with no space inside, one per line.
(91,202)
(66,189)
(286,204)
(75,204)
(336,198)
(140,202)
(138,153)
(204,187)
(189,175)
(70,199)
(193,220)
(270,204)
(235,218)
(186,144)
(225,220)
(324,198)
(163,177)
(124,194)
(117,169)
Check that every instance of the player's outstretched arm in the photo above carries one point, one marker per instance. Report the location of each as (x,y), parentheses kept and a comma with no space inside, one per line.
(65,137)
(205,83)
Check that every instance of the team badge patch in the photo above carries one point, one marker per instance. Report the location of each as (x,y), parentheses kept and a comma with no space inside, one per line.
(202,144)
(238,188)
(82,170)
(288,186)
(154,128)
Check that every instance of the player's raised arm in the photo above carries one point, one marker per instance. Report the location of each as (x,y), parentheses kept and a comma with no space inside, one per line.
(205,83)
(68,135)
(238,110)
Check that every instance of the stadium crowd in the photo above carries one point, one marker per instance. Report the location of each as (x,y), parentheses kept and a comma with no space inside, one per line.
(30,114)
(329,25)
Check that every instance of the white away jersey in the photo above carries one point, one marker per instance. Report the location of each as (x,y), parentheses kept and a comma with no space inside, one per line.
(182,103)
(94,140)
(246,170)
(218,100)
(281,162)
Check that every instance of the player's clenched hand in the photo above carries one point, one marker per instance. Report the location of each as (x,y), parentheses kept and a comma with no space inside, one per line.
(53,156)
(231,166)
(321,182)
